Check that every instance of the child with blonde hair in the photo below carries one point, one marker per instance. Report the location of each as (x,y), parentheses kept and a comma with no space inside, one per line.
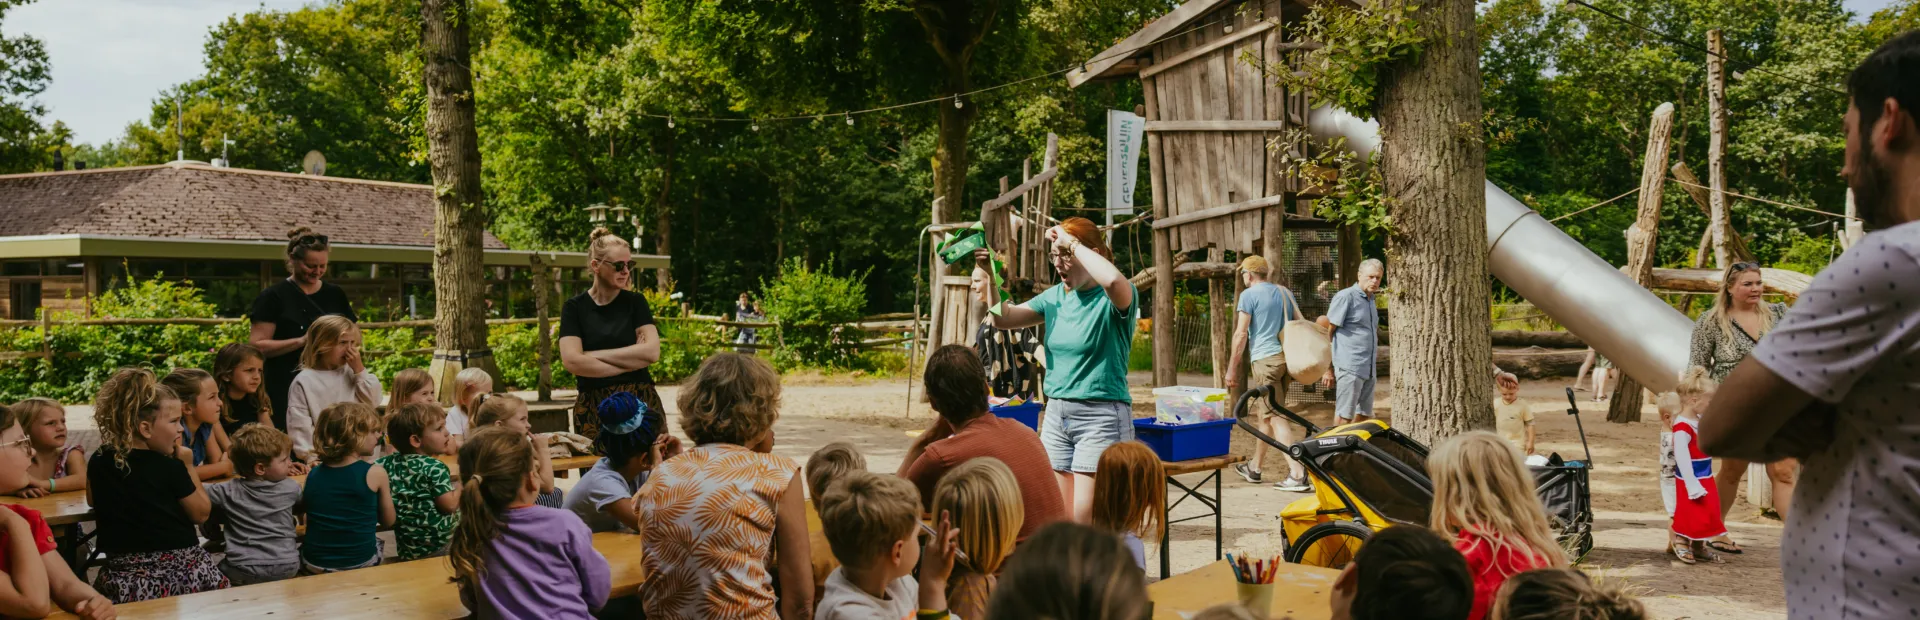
(200,421)
(1561,593)
(1483,498)
(240,371)
(348,496)
(331,372)
(873,523)
(424,498)
(1696,506)
(512,558)
(712,517)
(510,411)
(469,384)
(1513,417)
(411,385)
(145,497)
(33,577)
(1668,404)
(828,465)
(258,508)
(1129,495)
(983,498)
(57,465)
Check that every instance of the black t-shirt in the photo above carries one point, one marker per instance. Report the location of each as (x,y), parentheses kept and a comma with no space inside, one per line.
(138,508)
(292,311)
(607,327)
(243,411)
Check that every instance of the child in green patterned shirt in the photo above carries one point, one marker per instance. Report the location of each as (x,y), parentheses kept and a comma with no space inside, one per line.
(424,495)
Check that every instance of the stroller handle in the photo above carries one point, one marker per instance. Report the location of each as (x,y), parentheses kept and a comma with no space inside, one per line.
(1266,391)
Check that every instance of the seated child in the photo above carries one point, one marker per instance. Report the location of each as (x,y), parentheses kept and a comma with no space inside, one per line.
(469,384)
(146,500)
(1697,516)
(1556,593)
(424,498)
(258,508)
(873,524)
(633,437)
(984,499)
(1069,571)
(1513,417)
(57,466)
(510,411)
(347,496)
(1129,494)
(1404,572)
(240,370)
(331,372)
(411,385)
(36,579)
(513,559)
(727,409)
(1483,497)
(200,421)
(827,465)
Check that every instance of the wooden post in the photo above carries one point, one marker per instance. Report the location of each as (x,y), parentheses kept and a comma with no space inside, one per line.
(1717,145)
(1855,229)
(542,309)
(46,332)
(936,276)
(1736,245)
(1642,240)
(1165,372)
(1219,318)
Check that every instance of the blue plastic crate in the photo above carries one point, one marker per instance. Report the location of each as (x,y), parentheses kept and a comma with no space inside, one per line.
(1028,413)
(1181,442)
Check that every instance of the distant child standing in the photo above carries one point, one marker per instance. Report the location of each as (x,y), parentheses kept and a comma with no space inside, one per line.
(873,522)
(983,497)
(200,421)
(57,466)
(1483,498)
(33,577)
(258,508)
(347,496)
(634,439)
(1513,417)
(331,372)
(1696,513)
(424,498)
(712,518)
(829,464)
(469,385)
(514,559)
(238,368)
(1129,495)
(511,412)
(145,498)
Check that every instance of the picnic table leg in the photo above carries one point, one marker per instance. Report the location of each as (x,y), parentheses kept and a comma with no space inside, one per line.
(1219,507)
(1166,534)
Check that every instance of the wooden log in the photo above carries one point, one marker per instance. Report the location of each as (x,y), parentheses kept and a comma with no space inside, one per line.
(1777,281)
(1186,271)
(1203,50)
(1219,318)
(1007,196)
(1736,244)
(1642,239)
(1162,126)
(1529,363)
(1717,146)
(1213,212)
(1524,338)
(936,272)
(543,344)
(1164,351)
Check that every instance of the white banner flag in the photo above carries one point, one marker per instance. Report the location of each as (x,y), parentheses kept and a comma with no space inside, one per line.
(1124,142)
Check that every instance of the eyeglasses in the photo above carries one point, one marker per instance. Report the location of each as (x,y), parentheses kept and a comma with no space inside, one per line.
(21,443)
(621,266)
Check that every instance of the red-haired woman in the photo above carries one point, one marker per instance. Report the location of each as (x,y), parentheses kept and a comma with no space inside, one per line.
(1090,318)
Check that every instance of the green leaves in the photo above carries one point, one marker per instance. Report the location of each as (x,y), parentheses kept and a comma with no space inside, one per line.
(1357,42)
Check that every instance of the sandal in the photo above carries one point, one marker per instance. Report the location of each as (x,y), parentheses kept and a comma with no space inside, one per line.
(1725,546)
(1684,552)
(1713,558)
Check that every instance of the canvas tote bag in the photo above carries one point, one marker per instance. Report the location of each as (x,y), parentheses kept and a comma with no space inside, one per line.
(1308,347)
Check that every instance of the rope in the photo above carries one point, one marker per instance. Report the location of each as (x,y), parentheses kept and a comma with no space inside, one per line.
(1758,199)
(1596,205)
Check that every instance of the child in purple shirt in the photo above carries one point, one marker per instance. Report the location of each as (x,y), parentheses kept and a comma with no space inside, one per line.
(539,562)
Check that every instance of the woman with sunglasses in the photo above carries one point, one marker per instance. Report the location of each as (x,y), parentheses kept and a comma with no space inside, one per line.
(607,335)
(1722,337)
(283,312)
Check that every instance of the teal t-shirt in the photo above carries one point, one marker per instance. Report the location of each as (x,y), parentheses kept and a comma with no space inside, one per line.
(1088,341)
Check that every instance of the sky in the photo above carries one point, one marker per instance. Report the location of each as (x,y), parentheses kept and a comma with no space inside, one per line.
(112,57)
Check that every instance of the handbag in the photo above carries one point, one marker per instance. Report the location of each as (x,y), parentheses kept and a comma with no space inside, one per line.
(1307,345)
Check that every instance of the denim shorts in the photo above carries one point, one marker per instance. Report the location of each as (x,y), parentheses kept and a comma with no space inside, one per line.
(1075,432)
(1355,395)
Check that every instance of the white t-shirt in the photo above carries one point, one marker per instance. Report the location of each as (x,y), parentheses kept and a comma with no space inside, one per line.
(1511,420)
(1853,340)
(845,601)
(456,421)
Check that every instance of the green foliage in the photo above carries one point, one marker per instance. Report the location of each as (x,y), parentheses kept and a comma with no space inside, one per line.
(24,73)
(810,306)
(1806,254)
(516,351)
(1357,43)
(85,355)
(398,339)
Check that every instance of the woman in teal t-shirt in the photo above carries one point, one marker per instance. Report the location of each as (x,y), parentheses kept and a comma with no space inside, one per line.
(1089,321)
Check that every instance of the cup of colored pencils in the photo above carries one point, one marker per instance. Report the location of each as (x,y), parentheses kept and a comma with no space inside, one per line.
(1253,580)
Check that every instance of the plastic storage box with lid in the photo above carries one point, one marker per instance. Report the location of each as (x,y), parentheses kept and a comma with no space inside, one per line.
(1184,404)
(1183,442)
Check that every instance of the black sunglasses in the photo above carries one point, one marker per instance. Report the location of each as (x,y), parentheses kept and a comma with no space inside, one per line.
(311,240)
(622,266)
(1743,266)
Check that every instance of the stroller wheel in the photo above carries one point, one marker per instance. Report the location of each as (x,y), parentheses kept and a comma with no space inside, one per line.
(1329,545)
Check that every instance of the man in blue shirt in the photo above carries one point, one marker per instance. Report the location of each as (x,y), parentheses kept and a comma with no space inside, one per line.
(1356,323)
(1263,309)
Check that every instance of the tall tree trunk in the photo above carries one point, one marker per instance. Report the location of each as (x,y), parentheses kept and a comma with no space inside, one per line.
(453,150)
(1643,239)
(1435,162)
(950,152)
(663,228)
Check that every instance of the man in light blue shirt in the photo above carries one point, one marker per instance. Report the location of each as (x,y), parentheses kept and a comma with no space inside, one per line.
(1356,325)
(1263,309)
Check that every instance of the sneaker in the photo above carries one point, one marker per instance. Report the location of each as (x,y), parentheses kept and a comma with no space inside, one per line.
(1294,485)
(1251,475)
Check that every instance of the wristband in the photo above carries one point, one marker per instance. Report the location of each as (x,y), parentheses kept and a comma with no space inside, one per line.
(50,488)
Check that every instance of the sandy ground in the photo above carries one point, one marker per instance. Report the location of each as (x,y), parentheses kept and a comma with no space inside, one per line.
(877,416)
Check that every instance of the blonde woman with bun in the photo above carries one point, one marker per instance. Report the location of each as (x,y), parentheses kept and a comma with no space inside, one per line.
(607,334)
(283,312)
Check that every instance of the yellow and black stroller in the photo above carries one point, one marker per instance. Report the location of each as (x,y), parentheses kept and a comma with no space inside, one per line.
(1367,477)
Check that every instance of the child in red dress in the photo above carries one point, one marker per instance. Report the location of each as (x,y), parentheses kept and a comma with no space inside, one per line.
(1696,513)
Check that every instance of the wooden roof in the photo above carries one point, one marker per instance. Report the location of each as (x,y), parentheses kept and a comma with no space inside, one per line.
(1126,58)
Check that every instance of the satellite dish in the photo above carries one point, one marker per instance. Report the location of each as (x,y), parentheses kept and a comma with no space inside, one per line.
(314,163)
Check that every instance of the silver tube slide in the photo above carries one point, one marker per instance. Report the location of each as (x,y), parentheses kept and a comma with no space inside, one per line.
(1640,333)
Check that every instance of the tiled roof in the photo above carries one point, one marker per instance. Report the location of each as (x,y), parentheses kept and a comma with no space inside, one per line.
(193,201)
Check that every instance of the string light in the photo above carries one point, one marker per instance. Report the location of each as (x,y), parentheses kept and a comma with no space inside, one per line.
(756,125)
(849,119)
(956,102)
(669,122)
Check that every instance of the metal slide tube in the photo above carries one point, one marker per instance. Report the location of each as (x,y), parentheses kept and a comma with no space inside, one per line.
(1639,332)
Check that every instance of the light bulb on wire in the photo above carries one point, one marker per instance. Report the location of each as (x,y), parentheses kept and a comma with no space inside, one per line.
(669,122)
(956,102)
(849,119)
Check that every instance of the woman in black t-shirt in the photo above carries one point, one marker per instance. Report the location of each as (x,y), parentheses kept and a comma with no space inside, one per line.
(607,335)
(282,313)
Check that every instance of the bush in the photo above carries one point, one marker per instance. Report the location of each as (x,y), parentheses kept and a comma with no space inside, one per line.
(86,355)
(811,306)
(516,350)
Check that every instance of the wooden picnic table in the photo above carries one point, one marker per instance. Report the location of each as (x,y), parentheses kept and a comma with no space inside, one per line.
(1300,592)
(416,589)
(1213,464)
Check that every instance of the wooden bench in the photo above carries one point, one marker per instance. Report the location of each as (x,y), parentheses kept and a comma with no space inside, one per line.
(1299,592)
(417,589)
